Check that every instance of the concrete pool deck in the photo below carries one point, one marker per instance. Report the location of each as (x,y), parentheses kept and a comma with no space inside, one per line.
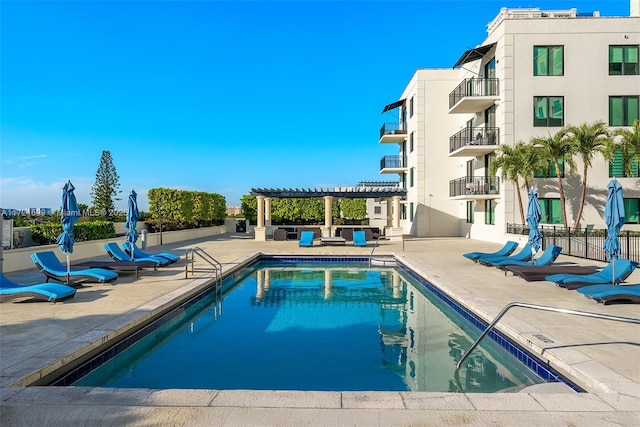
(603,356)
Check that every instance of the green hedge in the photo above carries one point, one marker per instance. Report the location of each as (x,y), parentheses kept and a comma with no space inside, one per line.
(46,234)
(181,209)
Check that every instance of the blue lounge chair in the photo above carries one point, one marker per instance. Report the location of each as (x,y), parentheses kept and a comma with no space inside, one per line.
(137,253)
(118,254)
(612,293)
(52,268)
(506,250)
(549,255)
(306,238)
(52,292)
(359,238)
(621,266)
(523,254)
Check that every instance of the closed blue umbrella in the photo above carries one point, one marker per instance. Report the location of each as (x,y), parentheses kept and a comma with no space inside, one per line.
(133,215)
(534,213)
(70,214)
(614,218)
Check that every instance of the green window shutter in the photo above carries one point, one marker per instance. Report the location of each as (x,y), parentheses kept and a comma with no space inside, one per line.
(540,67)
(631,60)
(615,167)
(631,211)
(616,111)
(631,110)
(557,61)
(615,60)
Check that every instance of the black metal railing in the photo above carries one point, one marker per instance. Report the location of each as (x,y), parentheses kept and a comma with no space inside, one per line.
(474,185)
(584,242)
(392,128)
(474,87)
(474,136)
(390,162)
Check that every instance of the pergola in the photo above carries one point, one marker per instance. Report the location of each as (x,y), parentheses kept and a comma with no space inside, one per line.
(265,195)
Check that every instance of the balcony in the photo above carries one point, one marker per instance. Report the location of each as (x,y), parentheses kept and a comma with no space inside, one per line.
(474,95)
(392,133)
(474,142)
(474,188)
(392,164)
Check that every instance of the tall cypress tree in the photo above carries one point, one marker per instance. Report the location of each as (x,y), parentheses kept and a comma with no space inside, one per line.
(107,186)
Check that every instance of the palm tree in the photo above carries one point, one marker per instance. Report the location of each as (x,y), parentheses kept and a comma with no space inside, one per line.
(553,150)
(630,146)
(519,161)
(588,140)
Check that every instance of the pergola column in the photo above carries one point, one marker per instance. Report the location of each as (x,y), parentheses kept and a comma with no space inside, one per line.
(395,232)
(260,230)
(267,211)
(328,204)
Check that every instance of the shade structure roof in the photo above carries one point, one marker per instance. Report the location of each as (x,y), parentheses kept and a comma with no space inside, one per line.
(392,105)
(474,54)
(346,192)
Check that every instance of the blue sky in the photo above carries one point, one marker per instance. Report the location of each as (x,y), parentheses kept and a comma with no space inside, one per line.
(216,96)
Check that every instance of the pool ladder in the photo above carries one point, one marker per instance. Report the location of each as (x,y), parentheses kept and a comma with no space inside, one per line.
(544,308)
(379,261)
(214,265)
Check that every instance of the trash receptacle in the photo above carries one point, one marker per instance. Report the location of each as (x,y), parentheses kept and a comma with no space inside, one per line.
(143,239)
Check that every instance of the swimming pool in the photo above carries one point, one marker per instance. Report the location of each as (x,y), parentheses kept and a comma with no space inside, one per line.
(325,324)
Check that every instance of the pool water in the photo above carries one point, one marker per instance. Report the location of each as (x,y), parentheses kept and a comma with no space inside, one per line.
(315,326)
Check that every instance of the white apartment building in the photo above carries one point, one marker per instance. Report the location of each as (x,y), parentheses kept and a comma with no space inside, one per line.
(536,72)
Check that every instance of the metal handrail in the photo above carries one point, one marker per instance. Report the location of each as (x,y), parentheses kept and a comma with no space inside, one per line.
(374,248)
(214,263)
(545,308)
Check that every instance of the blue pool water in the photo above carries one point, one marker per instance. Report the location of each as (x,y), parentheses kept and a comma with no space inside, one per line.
(312,326)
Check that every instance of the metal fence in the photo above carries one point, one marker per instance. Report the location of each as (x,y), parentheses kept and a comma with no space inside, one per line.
(585,242)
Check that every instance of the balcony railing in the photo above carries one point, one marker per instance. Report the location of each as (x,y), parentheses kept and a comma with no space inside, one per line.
(391,162)
(474,136)
(473,87)
(474,185)
(392,128)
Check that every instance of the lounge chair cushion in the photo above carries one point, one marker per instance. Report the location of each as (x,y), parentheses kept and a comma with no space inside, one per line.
(52,268)
(549,255)
(138,253)
(611,293)
(506,250)
(43,291)
(118,254)
(621,266)
(359,238)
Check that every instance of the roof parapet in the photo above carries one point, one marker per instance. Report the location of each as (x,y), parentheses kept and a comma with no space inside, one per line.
(533,13)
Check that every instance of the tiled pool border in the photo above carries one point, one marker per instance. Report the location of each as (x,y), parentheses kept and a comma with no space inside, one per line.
(516,351)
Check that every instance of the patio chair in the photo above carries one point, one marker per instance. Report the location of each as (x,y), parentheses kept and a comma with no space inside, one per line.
(549,255)
(347,234)
(280,234)
(52,268)
(359,238)
(506,250)
(306,238)
(118,254)
(612,293)
(615,272)
(524,254)
(52,292)
(137,253)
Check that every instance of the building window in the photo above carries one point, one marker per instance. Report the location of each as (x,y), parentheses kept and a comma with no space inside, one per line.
(551,211)
(411,211)
(411,107)
(548,60)
(623,110)
(411,171)
(469,212)
(623,60)
(403,212)
(411,142)
(616,167)
(377,210)
(490,212)
(548,111)
(631,208)
(550,172)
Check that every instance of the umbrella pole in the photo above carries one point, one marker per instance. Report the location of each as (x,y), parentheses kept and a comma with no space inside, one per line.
(131,243)
(68,269)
